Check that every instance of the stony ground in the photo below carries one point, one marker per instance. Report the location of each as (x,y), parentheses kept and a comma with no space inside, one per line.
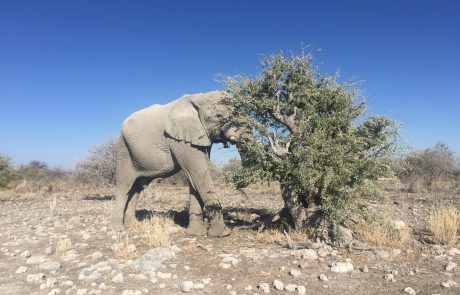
(71,250)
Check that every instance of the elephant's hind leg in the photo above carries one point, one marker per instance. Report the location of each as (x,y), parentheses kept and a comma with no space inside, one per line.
(196,226)
(133,197)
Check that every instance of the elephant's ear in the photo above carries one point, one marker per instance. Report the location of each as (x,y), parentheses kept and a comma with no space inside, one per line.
(184,123)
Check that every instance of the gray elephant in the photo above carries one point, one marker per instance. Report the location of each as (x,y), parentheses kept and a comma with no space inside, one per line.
(161,140)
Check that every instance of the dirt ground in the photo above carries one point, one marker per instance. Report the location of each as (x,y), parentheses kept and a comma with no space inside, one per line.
(72,250)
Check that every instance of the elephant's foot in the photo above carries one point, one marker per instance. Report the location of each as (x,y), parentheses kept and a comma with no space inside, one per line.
(218,228)
(129,221)
(196,227)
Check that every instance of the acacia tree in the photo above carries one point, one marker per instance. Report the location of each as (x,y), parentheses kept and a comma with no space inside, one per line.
(310,134)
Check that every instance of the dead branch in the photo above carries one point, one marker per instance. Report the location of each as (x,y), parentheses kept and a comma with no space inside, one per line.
(277,148)
(287,120)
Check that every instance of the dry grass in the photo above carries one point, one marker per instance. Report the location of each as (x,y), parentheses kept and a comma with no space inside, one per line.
(157,230)
(125,249)
(383,234)
(245,216)
(444,224)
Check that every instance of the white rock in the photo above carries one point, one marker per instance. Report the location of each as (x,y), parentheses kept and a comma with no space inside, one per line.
(96,255)
(449,284)
(198,286)
(131,292)
(389,277)
(410,291)
(51,282)
(301,290)
(102,286)
(382,254)
(186,286)
(342,267)
(162,286)
(323,278)
(228,286)
(451,266)
(50,266)
(164,276)
(453,252)
(118,279)
(49,251)
(82,291)
(21,269)
(399,224)
(38,259)
(278,285)
(232,260)
(154,258)
(54,292)
(264,287)
(36,278)
(396,252)
(225,265)
(86,236)
(295,272)
(94,276)
(309,254)
(67,283)
(290,288)
(206,281)
(25,254)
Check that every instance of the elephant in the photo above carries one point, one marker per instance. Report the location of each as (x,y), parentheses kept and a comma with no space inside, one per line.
(161,140)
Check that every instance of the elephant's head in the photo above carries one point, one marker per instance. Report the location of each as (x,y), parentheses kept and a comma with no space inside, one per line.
(202,119)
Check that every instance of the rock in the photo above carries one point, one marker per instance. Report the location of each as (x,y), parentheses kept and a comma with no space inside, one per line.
(36,278)
(67,283)
(409,290)
(323,278)
(50,266)
(228,286)
(396,252)
(389,277)
(186,286)
(309,254)
(94,276)
(301,290)
(102,286)
(278,285)
(154,258)
(118,279)
(54,292)
(453,252)
(25,254)
(290,287)
(198,286)
(96,255)
(449,284)
(131,292)
(295,272)
(399,224)
(162,286)
(345,235)
(86,236)
(232,260)
(21,269)
(225,265)
(206,281)
(264,287)
(364,269)
(49,250)
(164,276)
(39,259)
(82,291)
(342,267)
(451,266)
(382,254)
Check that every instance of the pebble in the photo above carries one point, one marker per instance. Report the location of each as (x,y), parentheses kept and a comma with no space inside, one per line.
(410,291)
(198,286)
(67,283)
(36,278)
(301,290)
(131,292)
(309,254)
(206,281)
(278,285)
(228,286)
(82,291)
(94,276)
(25,254)
(342,267)
(449,284)
(186,286)
(323,278)
(295,272)
(21,269)
(451,266)
(264,287)
(162,275)
(39,259)
(118,279)
(453,252)
(364,269)
(50,266)
(382,254)
(290,287)
(96,255)
(389,278)
(49,250)
(54,292)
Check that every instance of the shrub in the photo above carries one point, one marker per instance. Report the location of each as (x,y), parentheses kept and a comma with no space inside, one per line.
(99,167)
(444,224)
(157,230)
(311,135)
(430,169)
(6,170)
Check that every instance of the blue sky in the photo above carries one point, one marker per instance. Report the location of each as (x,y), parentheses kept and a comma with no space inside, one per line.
(71,71)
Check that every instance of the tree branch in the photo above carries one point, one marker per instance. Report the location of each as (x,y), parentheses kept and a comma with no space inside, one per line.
(287,120)
(276,148)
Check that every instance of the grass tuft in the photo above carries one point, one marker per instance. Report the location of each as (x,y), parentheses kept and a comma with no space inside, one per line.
(383,234)
(444,224)
(157,230)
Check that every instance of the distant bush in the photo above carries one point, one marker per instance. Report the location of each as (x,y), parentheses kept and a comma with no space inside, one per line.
(430,169)
(99,167)
(6,170)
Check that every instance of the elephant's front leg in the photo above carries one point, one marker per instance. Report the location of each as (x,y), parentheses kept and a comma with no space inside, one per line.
(196,226)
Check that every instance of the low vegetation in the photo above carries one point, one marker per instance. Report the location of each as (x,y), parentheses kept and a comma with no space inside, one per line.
(444,224)
(157,230)
(6,170)
(383,234)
